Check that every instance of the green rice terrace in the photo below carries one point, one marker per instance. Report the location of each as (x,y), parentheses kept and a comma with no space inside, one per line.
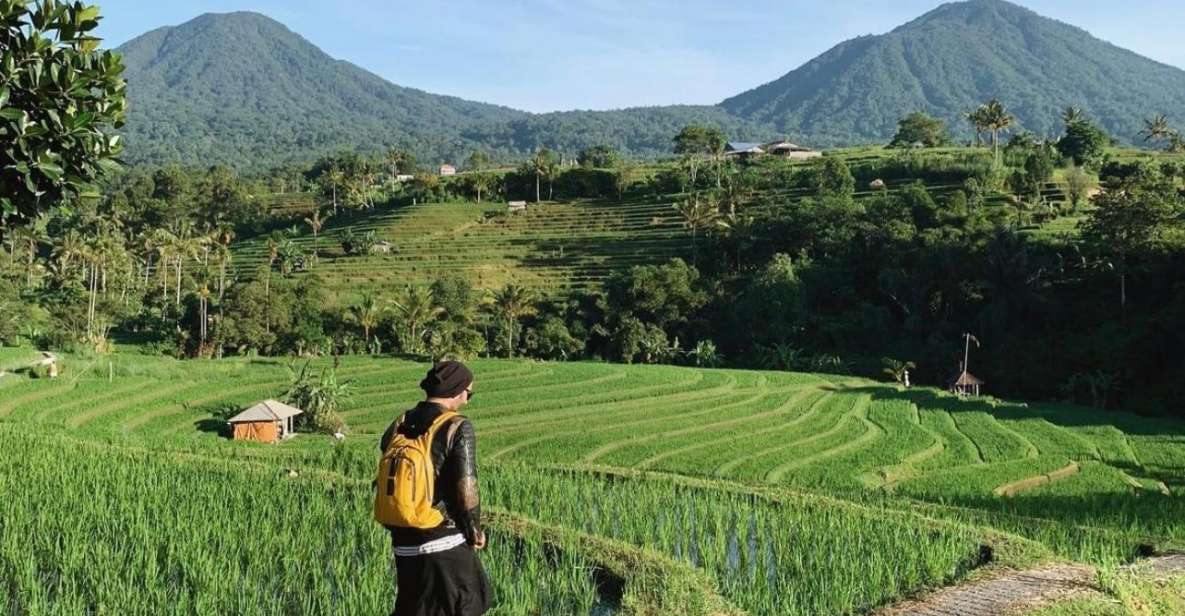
(607,488)
(553,248)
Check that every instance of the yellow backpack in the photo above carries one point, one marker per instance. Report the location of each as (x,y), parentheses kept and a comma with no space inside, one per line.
(405,487)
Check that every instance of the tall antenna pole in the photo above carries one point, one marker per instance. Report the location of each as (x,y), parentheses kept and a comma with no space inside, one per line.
(966,352)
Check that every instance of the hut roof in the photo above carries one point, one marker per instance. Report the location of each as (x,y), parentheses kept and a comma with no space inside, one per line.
(268,410)
(743,147)
(785,145)
(966,379)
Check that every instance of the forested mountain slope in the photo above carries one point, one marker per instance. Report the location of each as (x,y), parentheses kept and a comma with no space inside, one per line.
(953,59)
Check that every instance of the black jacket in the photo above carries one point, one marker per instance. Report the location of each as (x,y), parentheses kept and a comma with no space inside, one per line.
(456,494)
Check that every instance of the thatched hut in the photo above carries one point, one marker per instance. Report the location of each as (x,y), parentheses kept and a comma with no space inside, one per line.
(966,384)
(267,422)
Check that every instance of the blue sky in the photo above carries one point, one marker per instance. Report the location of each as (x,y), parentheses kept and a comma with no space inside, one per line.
(547,55)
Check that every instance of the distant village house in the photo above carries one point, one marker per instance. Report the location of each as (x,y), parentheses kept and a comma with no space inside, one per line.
(269,421)
(745,150)
(446,170)
(516,206)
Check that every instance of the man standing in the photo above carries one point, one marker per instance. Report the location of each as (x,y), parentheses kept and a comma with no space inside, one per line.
(426,495)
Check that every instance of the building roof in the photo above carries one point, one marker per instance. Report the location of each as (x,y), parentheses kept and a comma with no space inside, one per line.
(268,410)
(743,146)
(785,145)
(967,379)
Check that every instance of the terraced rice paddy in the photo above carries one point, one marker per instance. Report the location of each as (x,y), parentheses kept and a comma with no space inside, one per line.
(554,248)
(648,488)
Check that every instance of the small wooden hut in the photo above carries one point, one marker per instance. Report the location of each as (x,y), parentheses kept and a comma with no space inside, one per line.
(966,384)
(267,422)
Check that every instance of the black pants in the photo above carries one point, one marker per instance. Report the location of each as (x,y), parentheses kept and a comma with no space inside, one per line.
(449,583)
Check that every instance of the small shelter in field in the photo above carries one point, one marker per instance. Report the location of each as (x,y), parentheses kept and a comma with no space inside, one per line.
(267,422)
(516,206)
(382,247)
(966,384)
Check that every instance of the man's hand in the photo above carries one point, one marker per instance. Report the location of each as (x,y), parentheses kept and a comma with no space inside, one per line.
(479,541)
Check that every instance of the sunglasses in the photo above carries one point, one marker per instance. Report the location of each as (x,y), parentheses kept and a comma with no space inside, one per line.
(469,394)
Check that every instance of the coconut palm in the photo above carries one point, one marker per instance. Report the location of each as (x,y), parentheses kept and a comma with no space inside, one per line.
(511,304)
(976,118)
(396,158)
(315,223)
(543,165)
(415,308)
(696,215)
(1072,115)
(996,120)
(367,313)
(1157,128)
(333,178)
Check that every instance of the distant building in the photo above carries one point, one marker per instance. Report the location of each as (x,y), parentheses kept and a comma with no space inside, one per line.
(267,422)
(516,206)
(448,170)
(382,247)
(789,150)
(404,177)
(743,149)
(783,148)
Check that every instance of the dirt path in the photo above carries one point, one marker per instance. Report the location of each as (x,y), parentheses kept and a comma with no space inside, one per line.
(1007,593)
(1017,592)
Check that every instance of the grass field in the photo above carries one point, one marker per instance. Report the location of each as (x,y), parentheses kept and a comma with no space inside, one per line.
(717,491)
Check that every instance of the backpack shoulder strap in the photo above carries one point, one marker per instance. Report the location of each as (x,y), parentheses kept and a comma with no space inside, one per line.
(394,431)
(454,426)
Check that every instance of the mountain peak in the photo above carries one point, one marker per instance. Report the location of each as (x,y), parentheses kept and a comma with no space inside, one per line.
(954,58)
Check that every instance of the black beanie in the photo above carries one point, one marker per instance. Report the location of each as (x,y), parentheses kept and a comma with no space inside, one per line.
(447,379)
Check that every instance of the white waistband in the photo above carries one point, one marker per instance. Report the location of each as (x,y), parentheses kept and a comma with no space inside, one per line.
(432,547)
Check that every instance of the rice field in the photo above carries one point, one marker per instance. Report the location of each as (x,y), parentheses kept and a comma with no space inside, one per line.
(614,489)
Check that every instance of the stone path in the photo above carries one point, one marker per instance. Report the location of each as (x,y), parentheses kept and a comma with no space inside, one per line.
(1009,592)
(1015,592)
(1173,564)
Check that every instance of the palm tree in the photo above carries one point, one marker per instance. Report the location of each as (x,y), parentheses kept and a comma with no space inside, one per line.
(201,288)
(542,164)
(1072,115)
(315,223)
(164,240)
(696,215)
(416,308)
(367,314)
(223,257)
(1156,129)
(67,249)
(996,119)
(334,178)
(976,118)
(511,304)
(396,158)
